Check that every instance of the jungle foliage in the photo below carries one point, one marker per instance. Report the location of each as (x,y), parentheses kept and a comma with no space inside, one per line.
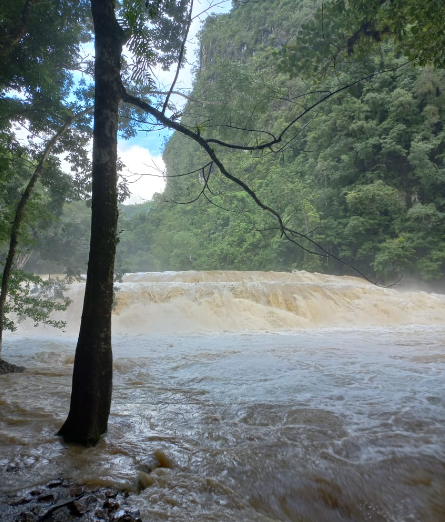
(362,174)
(43,113)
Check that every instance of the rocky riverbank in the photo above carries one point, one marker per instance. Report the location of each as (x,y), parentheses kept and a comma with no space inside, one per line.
(62,501)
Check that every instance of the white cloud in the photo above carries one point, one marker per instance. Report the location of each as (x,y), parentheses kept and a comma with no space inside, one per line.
(143,168)
(202,9)
(139,160)
(143,172)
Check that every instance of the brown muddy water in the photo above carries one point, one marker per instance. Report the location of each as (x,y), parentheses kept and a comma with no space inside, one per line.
(278,397)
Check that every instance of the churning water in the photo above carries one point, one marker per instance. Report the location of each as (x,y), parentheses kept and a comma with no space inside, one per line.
(276,397)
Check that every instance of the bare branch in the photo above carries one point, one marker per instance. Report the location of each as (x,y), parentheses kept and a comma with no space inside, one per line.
(192,200)
(286,232)
(211,6)
(245,129)
(303,113)
(181,56)
(163,175)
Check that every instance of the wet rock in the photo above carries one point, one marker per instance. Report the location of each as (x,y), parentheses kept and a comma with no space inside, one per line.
(20,501)
(101,514)
(46,497)
(92,499)
(79,507)
(126,517)
(6,367)
(56,483)
(75,491)
(134,512)
(60,501)
(111,504)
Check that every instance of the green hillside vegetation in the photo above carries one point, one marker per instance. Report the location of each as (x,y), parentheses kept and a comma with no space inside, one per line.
(363,176)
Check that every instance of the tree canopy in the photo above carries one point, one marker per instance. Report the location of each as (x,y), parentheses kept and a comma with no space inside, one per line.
(341,28)
(360,178)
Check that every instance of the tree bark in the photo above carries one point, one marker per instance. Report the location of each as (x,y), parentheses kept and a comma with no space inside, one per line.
(92,378)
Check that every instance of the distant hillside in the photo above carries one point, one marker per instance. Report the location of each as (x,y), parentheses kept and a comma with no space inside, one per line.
(363,175)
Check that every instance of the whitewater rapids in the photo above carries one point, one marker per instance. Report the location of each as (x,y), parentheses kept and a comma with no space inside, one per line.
(277,397)
(229,301)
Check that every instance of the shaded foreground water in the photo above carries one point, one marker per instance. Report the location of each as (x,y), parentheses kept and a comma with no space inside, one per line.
(265,421)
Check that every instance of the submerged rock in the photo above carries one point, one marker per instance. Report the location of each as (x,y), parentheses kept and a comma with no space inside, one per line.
(6,367)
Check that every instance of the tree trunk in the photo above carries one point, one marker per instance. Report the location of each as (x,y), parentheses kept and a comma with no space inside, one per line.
(92,378)
(18,218)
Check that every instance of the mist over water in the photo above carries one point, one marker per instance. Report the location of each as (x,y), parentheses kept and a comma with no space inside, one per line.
(284,397)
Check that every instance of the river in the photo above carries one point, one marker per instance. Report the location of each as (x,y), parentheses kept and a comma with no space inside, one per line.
(276,397)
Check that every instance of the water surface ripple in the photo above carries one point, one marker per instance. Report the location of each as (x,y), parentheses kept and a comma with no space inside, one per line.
(311,426)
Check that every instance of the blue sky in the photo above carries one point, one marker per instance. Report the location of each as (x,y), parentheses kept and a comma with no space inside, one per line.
(143,154)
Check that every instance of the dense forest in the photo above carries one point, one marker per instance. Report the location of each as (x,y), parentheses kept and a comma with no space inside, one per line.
(363,175)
